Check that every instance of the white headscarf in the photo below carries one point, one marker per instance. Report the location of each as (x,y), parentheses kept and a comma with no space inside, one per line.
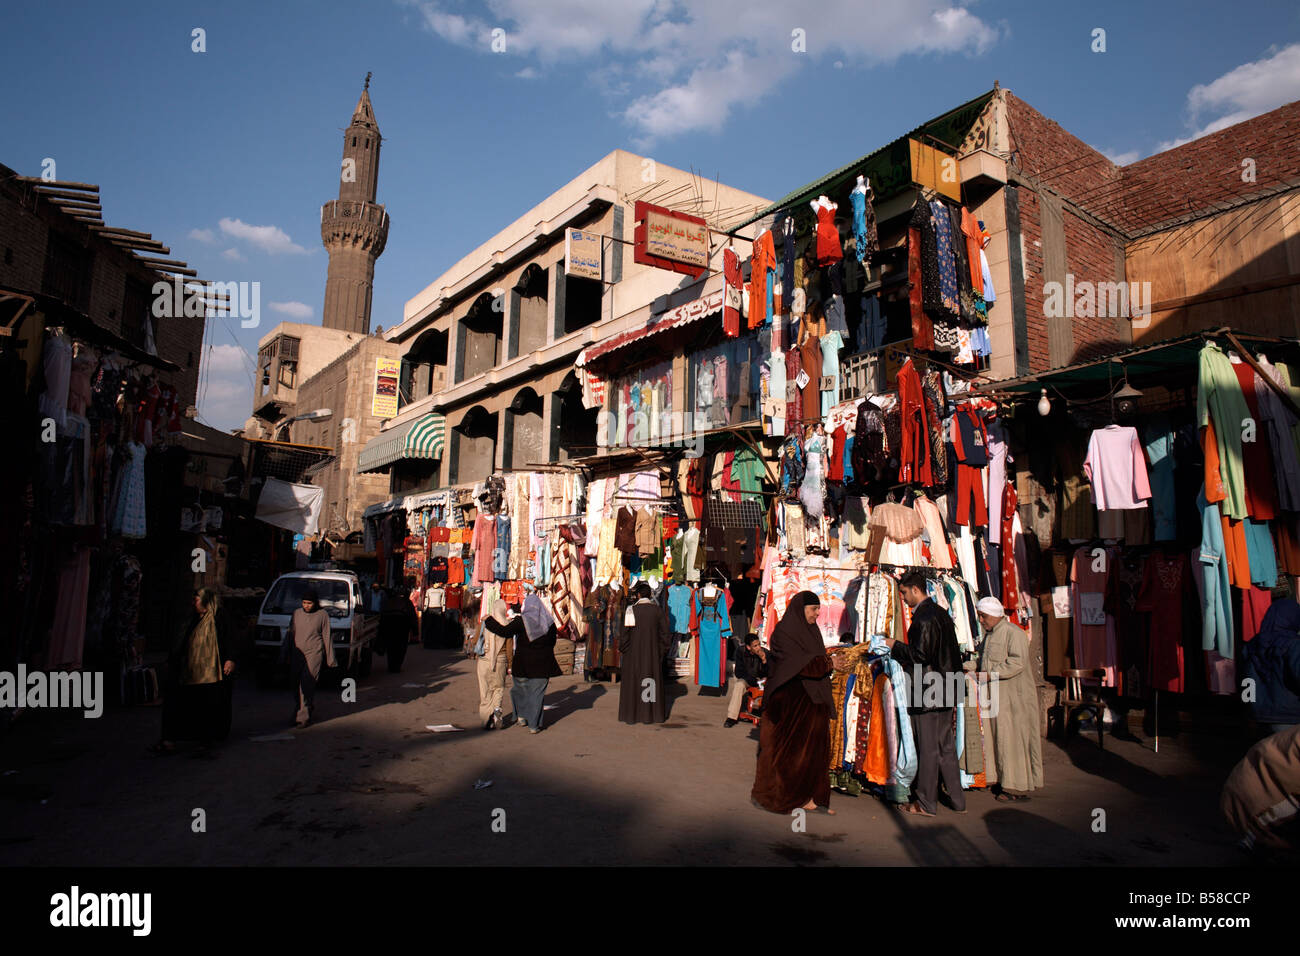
(991,606)
(537,620)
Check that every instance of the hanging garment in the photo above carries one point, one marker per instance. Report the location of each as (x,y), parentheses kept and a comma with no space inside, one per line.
(946,259)
(485,542)
(829,249)
(1094,629)
(1257,455)
(915,456)
(1163,591)
(812,491)
(625,530)
(733,286)
(762,264)
(831,343)
(1117,469)
(922,327)
(1219,395)
(811,362)
(1158,443)
(711,625)
(129,509)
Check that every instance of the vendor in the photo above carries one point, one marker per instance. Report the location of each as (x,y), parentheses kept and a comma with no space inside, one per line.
(1017,743)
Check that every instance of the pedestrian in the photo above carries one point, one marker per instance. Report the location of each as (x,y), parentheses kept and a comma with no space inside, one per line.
(200,672)
(937,690)
(492,669)
(1272,662)
(396,625)
(642,648)
(1013,700)
(307,645)
(1262,792)
(533,664)
(794,743)
(750,665)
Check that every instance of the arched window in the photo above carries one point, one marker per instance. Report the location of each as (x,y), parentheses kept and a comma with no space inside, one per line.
(474,443)
(524,437)
(529,316)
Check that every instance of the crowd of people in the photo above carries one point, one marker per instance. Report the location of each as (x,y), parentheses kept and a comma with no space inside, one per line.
(794,676)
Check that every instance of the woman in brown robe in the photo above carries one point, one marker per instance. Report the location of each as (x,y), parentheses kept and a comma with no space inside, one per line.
(794,743)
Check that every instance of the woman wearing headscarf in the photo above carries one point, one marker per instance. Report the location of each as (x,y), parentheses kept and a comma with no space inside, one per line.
(794,743)
(533,633)
(643,646)
(308,644)
(492,667)
(1013,702)
(197,703)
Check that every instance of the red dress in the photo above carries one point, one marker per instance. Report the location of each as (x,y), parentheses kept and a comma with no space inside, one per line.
(733,290)
(829,249)
(1166,580)
(1256,456)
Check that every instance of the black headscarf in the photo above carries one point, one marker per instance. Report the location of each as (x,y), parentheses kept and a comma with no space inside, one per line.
(795,643)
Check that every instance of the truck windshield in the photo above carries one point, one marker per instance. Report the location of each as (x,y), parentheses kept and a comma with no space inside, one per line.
(286,595)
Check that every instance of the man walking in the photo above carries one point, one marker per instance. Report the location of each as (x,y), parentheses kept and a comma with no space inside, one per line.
(932,654)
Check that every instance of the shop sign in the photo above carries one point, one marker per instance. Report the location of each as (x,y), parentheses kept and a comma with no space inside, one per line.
(671,240)
(384,401)
(582,254)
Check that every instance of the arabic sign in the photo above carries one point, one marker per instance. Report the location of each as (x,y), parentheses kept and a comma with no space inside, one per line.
(671,240)
(582,256)
(384,401)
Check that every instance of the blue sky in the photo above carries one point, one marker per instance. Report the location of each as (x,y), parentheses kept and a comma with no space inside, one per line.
(226,155)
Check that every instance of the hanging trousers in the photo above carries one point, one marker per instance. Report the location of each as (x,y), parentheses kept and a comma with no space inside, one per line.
(970,486)
(936,753)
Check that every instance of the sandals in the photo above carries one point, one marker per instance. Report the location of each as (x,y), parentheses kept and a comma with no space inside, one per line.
(914,809)
(1005,797)
(823,810)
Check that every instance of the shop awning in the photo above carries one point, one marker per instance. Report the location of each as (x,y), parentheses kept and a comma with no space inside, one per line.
(1158,358)
(672,319)
(383,507)
(423,437)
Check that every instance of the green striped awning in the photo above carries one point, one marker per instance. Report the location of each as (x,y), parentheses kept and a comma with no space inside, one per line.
(422,438)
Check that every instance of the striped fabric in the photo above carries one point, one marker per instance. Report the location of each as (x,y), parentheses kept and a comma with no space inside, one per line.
(423,438)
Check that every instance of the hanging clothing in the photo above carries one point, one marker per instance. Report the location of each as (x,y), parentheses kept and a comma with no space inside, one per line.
(1163,591)
(1094,629)
(915,455)
(1158,442)
(1217,632)
(711,624)
(641,695)
(762,263)
(829,249)
(1218,395)
(129,510)
(485,542)
(733,286)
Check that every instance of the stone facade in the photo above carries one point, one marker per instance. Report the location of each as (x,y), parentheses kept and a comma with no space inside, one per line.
(354,228)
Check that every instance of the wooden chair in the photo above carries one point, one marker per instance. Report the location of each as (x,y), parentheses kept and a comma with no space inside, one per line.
(752,703)
(1077,698)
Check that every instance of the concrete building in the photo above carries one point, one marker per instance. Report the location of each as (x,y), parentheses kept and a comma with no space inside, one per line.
(489,346)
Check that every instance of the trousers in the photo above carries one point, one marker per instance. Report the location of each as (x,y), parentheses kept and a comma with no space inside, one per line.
(305,668)
(526,696)
(736,697)
(491,686)
(936,753)
(970,486)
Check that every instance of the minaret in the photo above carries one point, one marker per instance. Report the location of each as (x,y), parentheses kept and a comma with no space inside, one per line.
(354,228)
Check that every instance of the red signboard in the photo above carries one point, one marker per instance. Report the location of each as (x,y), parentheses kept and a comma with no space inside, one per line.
(670,240)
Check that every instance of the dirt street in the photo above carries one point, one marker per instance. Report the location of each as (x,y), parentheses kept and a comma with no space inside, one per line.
(368,784)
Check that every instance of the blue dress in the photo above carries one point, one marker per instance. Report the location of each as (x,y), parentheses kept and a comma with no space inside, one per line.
(714,627)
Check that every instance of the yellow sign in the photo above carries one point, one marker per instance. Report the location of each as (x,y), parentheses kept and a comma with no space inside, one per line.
(935,170)
(387,373)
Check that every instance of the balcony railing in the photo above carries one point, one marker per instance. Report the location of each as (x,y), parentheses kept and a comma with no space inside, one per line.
(350,209)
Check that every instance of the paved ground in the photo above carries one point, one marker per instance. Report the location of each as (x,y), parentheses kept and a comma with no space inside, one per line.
(369,785)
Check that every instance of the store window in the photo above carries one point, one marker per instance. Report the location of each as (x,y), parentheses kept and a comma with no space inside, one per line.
(723,384)
(641,408)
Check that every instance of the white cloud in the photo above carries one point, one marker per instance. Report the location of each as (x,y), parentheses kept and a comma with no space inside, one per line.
(696,66)
(270,239)
(233,254)
(297,310)
(1124,158)
(527,73)
(203,235)
(225,394)
(1243,93)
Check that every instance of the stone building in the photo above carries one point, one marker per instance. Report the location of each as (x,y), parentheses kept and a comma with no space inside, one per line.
(489,346)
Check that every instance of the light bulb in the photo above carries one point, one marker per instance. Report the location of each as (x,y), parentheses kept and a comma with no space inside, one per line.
(1044,406)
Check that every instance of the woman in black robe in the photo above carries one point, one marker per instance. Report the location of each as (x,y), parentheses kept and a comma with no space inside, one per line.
(196,705)
(643,646)
(794,743)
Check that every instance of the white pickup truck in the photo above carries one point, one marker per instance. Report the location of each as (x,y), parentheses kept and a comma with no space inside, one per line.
(352,628)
